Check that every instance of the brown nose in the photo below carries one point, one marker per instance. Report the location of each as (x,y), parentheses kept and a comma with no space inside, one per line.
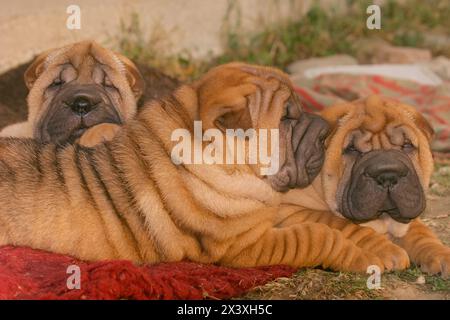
(386,171)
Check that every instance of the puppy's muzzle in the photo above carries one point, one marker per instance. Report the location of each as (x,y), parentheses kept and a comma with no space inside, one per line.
(73,110)
(305,151)
(383,182)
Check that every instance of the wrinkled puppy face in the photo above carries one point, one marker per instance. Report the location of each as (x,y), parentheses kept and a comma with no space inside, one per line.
(241,96)
(77,87)
(382,181)
(381,159)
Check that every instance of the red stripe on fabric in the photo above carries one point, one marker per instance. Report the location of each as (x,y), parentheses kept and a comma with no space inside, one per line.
(392,85)
(433,114)
(445,107)
(374,89)
(309,98)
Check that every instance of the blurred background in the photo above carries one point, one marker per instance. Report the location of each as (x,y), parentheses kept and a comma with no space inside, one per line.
(183,36)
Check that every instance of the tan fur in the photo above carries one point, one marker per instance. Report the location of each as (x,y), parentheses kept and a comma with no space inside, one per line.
(98,134)
(46,67)
(376,117)
(126,199)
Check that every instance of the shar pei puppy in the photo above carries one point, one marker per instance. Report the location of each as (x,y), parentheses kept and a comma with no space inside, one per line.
(376,173)
(133,198)
(79,93)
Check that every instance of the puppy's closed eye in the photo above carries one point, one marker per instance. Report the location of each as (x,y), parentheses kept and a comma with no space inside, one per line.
(408,146)
(108,84)
(351,150)
(57,83)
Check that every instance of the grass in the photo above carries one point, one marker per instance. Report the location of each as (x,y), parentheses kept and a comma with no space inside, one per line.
(438,284)
(148,50)
(318,33)
(310,284)
(433,283)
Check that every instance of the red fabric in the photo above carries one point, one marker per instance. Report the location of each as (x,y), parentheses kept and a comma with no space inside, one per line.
(34,274)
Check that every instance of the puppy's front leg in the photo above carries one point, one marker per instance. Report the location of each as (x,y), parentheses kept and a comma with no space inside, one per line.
(98,134)
(392,256)
(301,245)
(425,249)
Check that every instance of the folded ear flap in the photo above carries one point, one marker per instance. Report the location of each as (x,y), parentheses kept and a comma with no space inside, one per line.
(228,117)
(333,114)
(424,126)
(420,121)
(134,77)
(228,109)
(35,69)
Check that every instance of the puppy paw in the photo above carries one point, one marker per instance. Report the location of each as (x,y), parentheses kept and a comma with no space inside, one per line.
(98,134)
(436,262)
(363,261)
(393,257)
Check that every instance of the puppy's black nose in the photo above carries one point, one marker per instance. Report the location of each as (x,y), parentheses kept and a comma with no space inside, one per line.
(387,173)
(82,105)
(387,179)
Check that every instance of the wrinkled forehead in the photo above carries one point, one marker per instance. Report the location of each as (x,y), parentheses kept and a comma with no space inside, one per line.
(265,73)
(237,73)
(84,55)
(272,79)
(392,134)
(259,83)
(88,62)
(73,54)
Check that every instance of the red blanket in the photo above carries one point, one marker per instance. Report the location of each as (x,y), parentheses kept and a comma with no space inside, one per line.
(33,274)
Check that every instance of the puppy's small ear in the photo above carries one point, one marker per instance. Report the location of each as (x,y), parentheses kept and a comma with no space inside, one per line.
(35,69)
(420,121)
(225,108)
(227,117)
(424,125)
(333,114)
(134,77)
